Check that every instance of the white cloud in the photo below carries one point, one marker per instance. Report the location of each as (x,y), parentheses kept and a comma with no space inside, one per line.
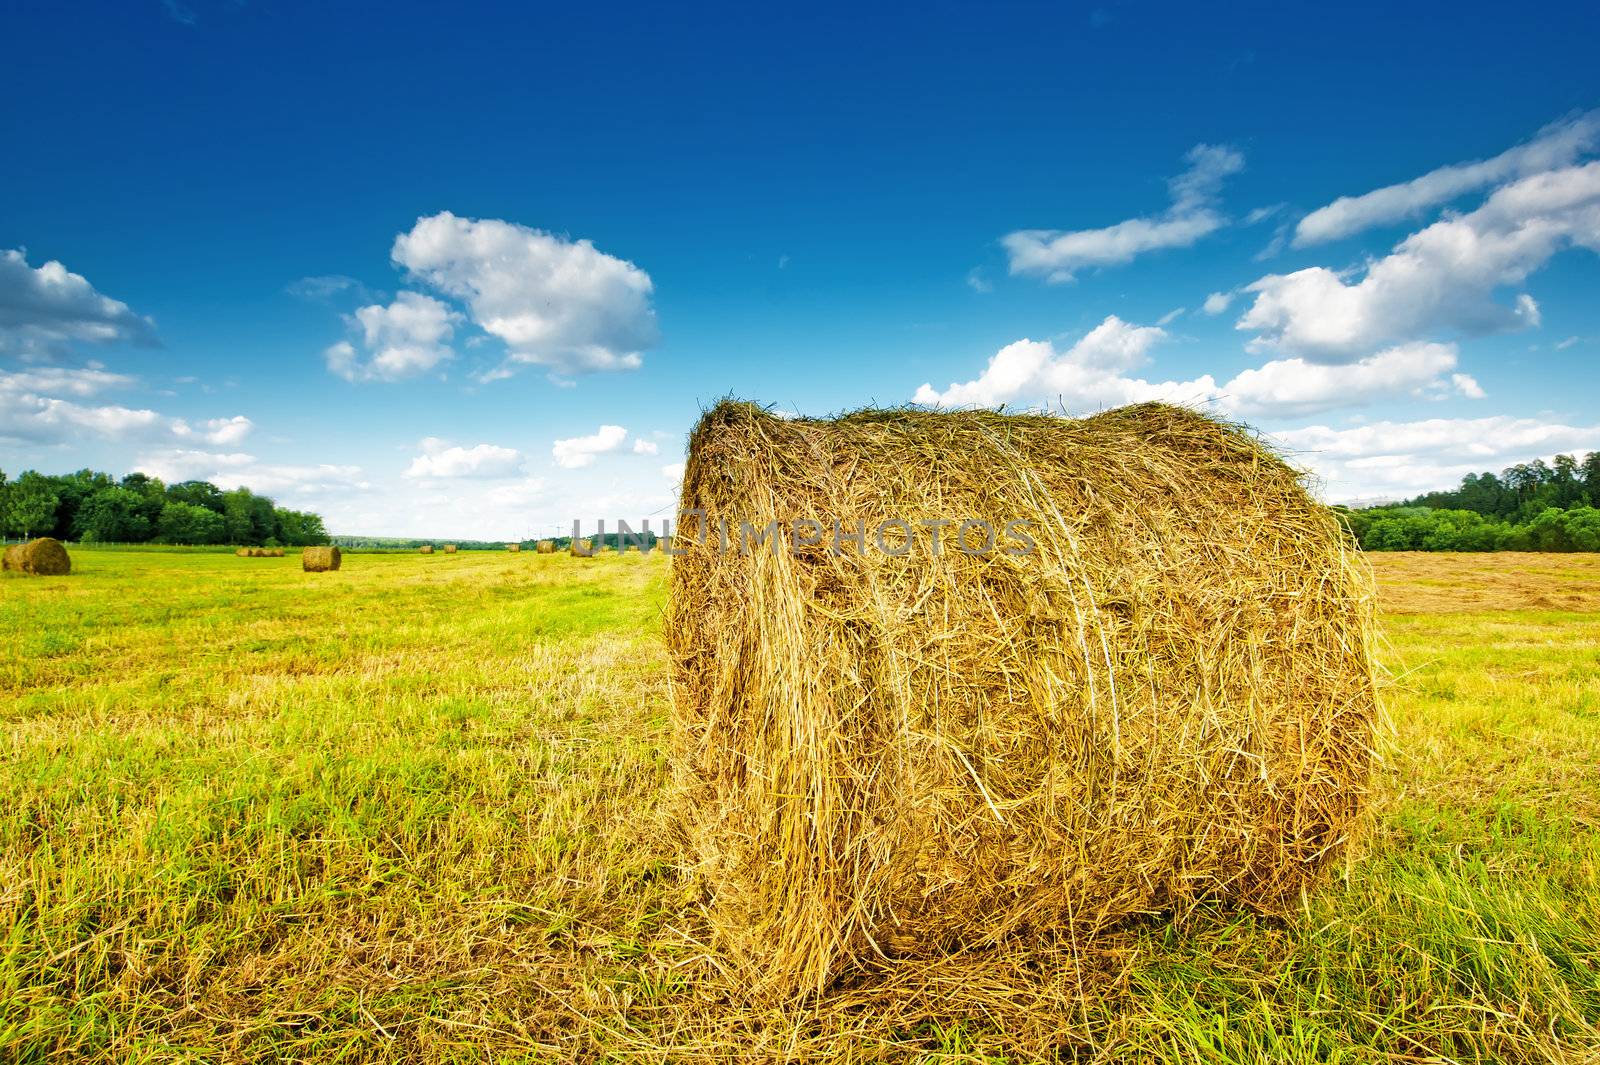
(977,282)
(554,302)
(1089,374)
(1094,373)
(1557,145)
(223,432)
(1563,345)
(29,416)
(85,382)
(1440,278)
(645,447)
(574,453)
(1057,255)
(1404,458)
(404,339)
(45,308)
(673,471)
(1171,316)
(481,461)
(1217,302)
(290,485)
(1287,387)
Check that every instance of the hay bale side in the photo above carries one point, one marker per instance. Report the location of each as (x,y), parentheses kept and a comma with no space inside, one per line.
(513,548)
(546,547)
(44,557)
(883,758)
(425,549)
(320,559)
(581,549)
(449,549)
(276,552)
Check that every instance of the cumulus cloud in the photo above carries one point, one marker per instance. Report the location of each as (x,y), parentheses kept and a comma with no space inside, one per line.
(221,431)
(1440,278)
(292,485)
(1285,387)
(557,303)
(1057,255)
(673,471)
(29,415)
(1089,374)
(646,447)
(574,453)
(43,309)
(1095,373)
(1396,459)
(1217,302)
(439,459)
(404,339)
(1555,146)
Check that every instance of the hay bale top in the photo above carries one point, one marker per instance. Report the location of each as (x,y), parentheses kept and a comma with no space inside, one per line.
(320,559)
(44,557)
(897,756)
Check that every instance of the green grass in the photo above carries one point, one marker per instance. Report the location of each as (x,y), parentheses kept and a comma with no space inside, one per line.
(412,810)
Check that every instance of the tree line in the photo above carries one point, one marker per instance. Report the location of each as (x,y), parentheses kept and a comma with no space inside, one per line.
(94,507)
(1532,506)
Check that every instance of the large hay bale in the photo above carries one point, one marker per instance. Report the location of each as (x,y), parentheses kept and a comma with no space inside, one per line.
(513,548)
(882,756)
(319,559)
(44,557)
(449,549)
(426,549)
(545,547)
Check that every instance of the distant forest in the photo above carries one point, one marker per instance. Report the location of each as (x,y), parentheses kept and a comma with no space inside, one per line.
(95,507)
(1533,506)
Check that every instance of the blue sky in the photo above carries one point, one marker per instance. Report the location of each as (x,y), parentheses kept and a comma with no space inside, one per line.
(474,273)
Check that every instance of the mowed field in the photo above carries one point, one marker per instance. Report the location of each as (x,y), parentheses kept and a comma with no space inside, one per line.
(416,810)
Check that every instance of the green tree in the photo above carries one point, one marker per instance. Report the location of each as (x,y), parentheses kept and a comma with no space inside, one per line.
(114,515)
(187,523)
(200,493)
(29,505)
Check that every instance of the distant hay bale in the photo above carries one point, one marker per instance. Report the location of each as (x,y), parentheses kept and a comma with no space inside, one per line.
(319,559)
(275,552)
(44,557)
(449,549)
(513,548)
(883,757)
(426,549)
(243,552)
(258,552)
(581,549)
(545,547)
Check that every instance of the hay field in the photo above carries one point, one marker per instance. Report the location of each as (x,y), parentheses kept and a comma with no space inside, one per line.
(411,810)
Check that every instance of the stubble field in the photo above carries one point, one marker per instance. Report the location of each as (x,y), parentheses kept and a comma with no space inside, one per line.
(416,810)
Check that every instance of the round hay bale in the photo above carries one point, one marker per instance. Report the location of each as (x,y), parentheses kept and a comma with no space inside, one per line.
(276,552)
(546,547)
(258,552)
(44,557)
(243,552)
(513,548)
(581,549)
(885,756)
(425,549)
(449,549)
(319,559)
